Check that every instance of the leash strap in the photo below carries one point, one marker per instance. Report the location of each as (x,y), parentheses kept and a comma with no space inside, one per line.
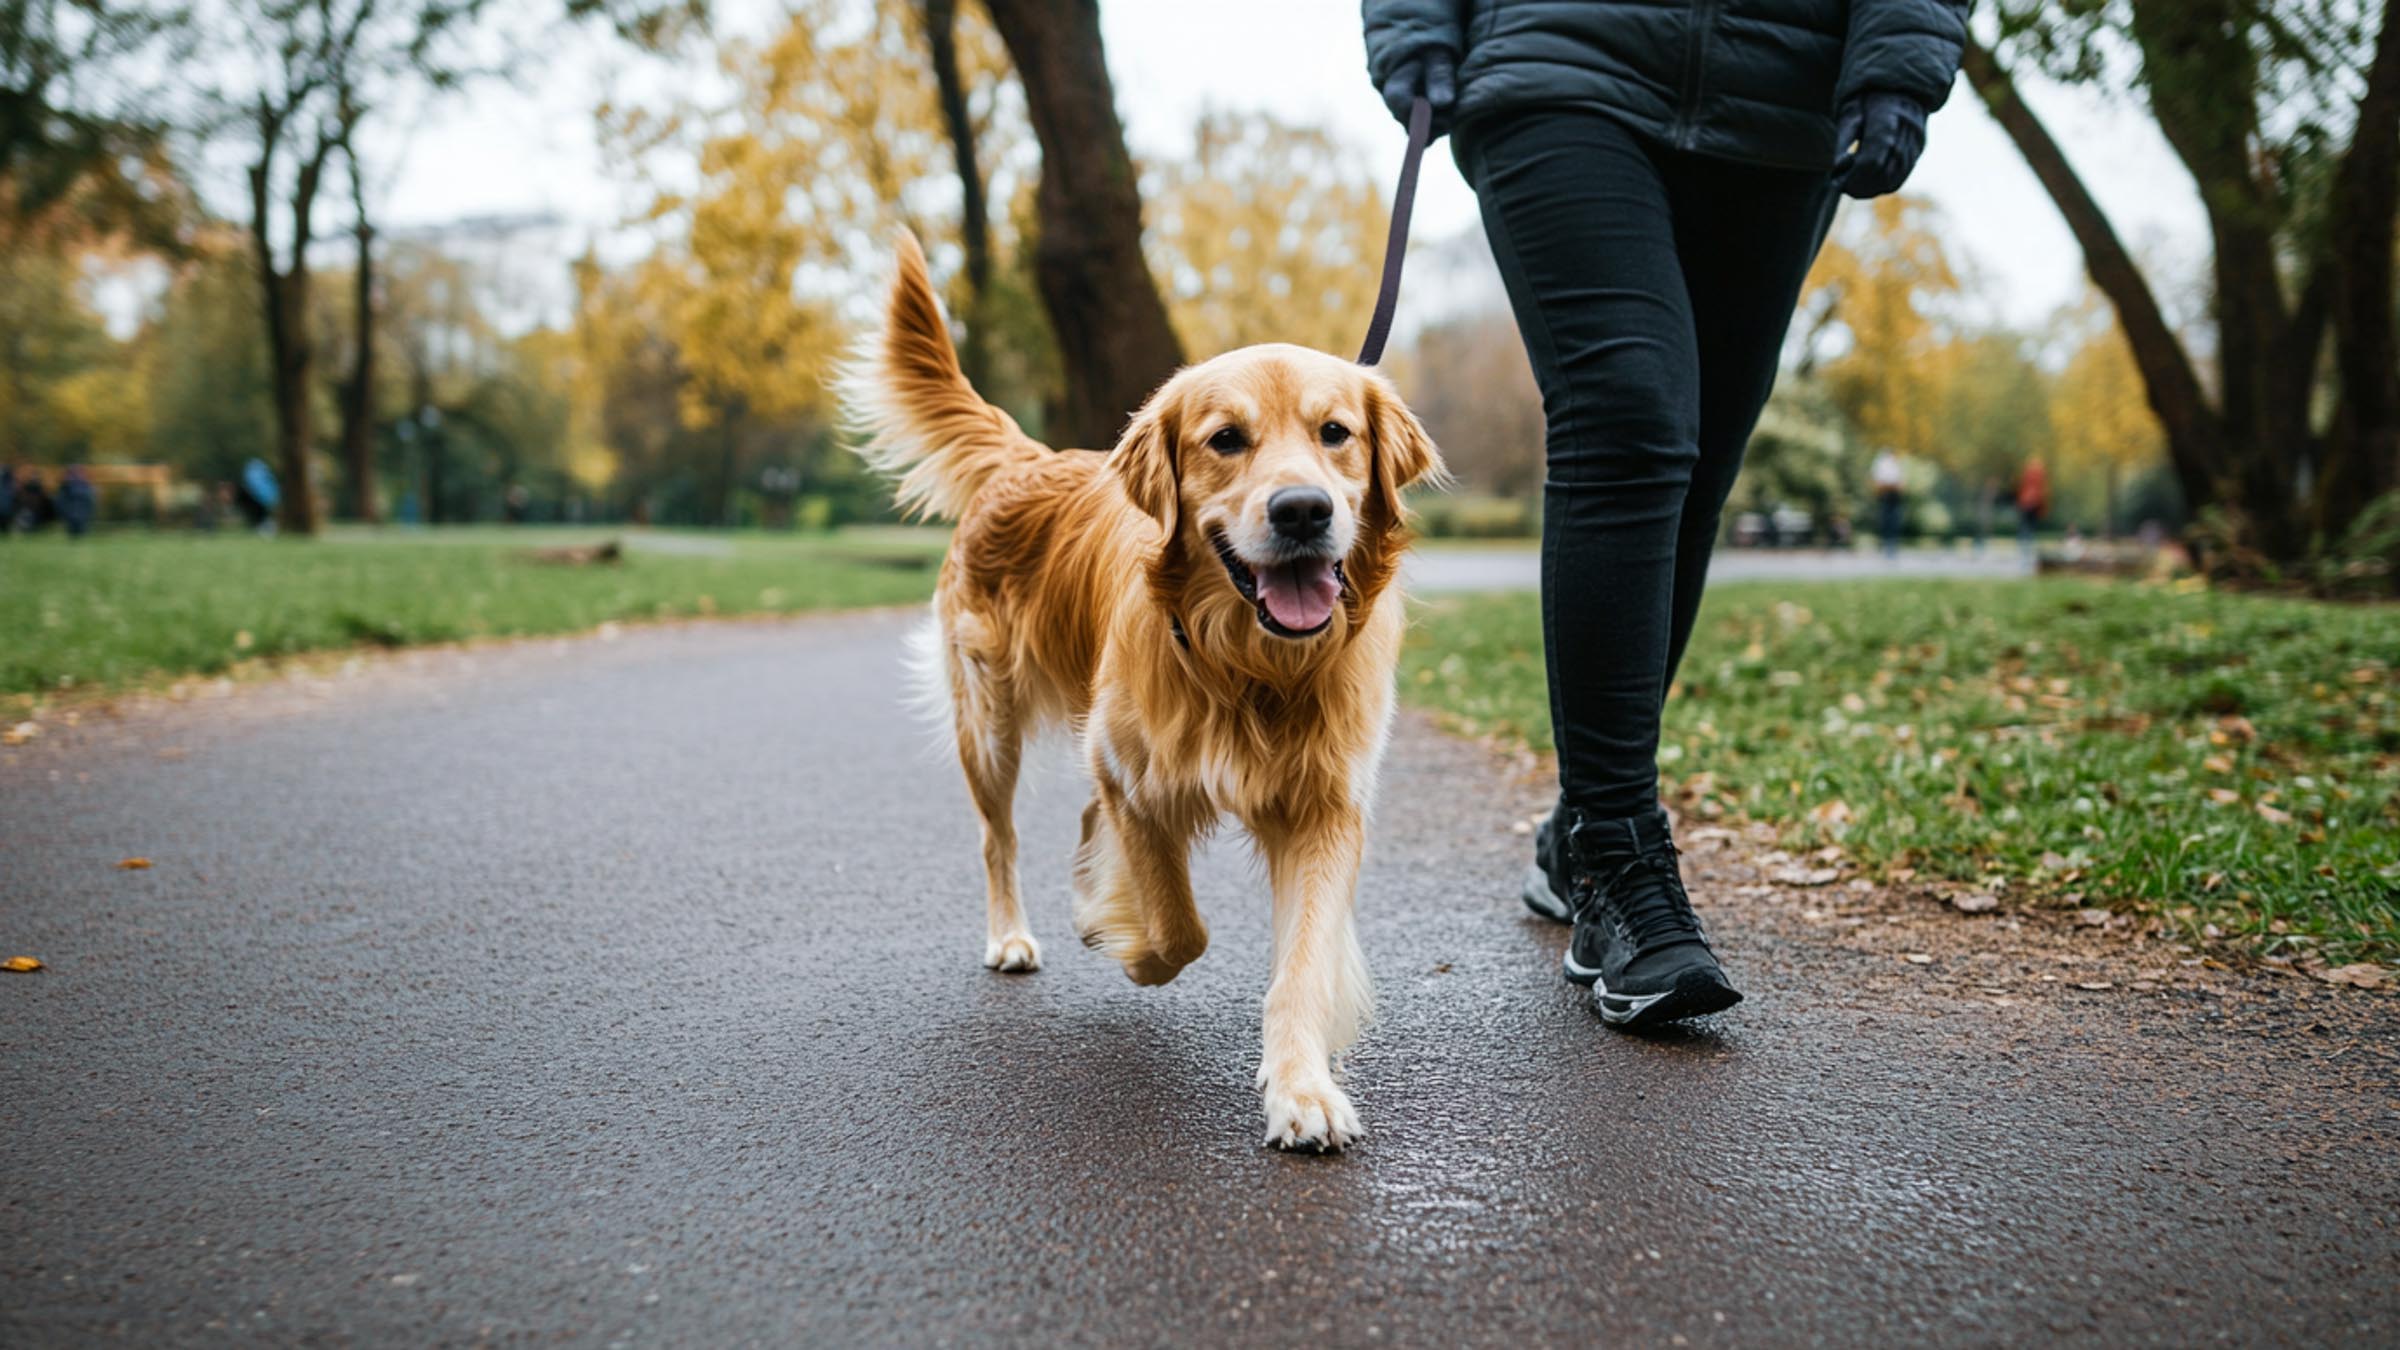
(1395,248)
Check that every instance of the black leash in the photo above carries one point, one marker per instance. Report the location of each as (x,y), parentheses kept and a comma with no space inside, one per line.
(1395,248)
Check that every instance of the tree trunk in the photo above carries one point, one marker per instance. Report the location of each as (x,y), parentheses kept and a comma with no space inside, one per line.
(1104,307)
(729,459)
(975,227)
(2195,435)
(291,358)
(2362,448)
(358,391)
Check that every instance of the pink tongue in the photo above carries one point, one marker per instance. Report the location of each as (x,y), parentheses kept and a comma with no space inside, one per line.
(1299,595)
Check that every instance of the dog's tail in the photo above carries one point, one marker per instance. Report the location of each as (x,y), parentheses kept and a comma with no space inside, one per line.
(916,416)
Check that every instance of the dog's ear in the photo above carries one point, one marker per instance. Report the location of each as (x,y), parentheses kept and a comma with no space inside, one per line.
(1403,454)
(1147,463)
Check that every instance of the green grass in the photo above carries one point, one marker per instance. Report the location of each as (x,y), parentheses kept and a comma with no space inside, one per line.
(117,610)
(2225,762)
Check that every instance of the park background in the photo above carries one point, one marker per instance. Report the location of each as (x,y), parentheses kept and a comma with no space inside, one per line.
(587,265)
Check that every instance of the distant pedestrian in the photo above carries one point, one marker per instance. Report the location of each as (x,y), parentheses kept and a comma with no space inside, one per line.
(77,502)
(1890,505)
(258,496)
(8,500)
(34,508)
(2033,503)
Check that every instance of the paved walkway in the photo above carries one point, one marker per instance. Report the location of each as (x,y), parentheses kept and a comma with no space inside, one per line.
(1512,568)
(626,992)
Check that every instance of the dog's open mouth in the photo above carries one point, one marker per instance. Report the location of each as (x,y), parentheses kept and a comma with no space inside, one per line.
(1294,598)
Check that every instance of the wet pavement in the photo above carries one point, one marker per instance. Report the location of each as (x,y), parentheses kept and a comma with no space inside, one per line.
(627,992)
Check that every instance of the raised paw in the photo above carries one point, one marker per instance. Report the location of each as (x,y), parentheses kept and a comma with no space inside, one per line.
(1014,953)
(1311,1117)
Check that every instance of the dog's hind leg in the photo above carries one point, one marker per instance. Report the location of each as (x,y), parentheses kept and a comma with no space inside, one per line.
(1318,994)
(1133,886)
(991,741)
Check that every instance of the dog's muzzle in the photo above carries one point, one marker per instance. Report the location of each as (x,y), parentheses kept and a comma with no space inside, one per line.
(1294,597)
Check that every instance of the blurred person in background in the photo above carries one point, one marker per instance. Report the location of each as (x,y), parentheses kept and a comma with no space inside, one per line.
(1655,180)
(8,500)
(77,502)
(2033,503)
(1891,507)
(34,509)
(258,495)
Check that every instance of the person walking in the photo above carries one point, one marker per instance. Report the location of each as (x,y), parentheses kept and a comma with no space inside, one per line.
(2033,503)
(1891,506)
(8,500)
(77,502)
(1655,179)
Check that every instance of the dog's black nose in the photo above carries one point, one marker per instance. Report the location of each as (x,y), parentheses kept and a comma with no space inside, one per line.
(1301,514)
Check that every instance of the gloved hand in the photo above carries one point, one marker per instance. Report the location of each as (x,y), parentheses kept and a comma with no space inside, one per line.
(1878,138)
(1432,72)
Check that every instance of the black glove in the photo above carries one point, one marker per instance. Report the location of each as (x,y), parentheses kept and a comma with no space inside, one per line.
(1432,72)
(1878,138)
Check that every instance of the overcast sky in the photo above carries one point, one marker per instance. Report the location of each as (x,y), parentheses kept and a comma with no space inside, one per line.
(532,148)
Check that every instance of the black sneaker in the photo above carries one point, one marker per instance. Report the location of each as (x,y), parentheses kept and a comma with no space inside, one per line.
(1637,942)
(1543,887)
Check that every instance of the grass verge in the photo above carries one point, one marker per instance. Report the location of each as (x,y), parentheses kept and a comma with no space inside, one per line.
(117,610)
(2229,764)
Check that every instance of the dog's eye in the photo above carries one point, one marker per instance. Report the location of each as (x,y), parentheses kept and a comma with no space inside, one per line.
(1333,433)
(1229,441)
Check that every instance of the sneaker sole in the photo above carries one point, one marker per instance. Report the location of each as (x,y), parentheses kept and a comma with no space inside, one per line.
(1697,993)
(1543,901)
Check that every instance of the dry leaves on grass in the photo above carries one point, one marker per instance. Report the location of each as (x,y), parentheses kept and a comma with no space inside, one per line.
(22,965)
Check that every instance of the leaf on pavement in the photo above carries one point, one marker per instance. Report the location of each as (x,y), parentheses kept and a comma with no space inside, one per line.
(134,865)
(2360,976)
(20,733)
(22,965)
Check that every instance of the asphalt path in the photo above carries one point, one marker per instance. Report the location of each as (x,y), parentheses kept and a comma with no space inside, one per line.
(1469,567)
(627,992)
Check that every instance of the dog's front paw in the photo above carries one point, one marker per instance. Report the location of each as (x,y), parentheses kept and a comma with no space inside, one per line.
(1311,1117)
(1014,952)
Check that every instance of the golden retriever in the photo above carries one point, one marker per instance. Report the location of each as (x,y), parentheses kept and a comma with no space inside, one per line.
(1211,606)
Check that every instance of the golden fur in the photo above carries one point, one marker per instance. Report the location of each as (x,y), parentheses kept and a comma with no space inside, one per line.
(1059,601)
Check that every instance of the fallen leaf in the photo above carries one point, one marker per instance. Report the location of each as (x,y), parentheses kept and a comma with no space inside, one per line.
(20,733)
(1918,959)
(2091,918)
(1807,876)
(22,964)
(1975,902)
(2094,985)
(2274,815)
(2053,862)
(2360,976)
(2224,796)
(134,865)
(2217,764)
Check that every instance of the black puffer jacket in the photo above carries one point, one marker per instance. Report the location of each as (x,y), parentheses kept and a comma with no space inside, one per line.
(1755,80)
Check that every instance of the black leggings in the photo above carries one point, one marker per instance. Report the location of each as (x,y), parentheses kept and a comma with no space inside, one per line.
(1653,288)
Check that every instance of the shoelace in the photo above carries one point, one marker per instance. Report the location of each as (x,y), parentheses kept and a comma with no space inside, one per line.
(1647,893)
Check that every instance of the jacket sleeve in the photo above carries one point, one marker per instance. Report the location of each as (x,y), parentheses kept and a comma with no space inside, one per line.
(1907,47)
(1399,30)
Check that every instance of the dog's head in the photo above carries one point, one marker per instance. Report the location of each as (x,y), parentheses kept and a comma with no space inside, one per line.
(1276,473)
